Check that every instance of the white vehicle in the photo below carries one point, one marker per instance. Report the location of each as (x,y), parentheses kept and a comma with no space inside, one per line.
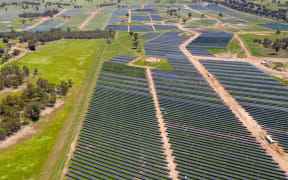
(269,139)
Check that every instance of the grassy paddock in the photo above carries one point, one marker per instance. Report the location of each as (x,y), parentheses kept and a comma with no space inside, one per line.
(259,50)
(59,61)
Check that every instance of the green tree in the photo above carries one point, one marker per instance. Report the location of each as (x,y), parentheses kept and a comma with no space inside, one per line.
(32,112)
(135,44)
(32,45)
(25,71)
(70,83)
(35,71)
(135,36)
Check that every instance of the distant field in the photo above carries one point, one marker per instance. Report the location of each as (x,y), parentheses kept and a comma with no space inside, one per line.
(59,61)
(76,21)
(203,22)
(259,50)
(100,19)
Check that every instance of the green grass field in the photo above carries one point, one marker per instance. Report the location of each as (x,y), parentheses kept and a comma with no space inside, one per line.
(163,64)
(100,19)
(259,50)
(59,61)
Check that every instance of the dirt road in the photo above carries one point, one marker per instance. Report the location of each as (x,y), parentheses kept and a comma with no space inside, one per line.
(163,130)
(252,126)
(92,14)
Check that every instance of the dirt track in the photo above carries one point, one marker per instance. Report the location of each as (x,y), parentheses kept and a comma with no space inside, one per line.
(167,146)
(252,126)
(88,19)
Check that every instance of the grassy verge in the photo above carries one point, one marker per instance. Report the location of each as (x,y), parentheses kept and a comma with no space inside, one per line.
(163,64)
(56,62)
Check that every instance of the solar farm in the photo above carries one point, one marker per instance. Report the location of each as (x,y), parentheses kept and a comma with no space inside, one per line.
(162,90)
(207,139)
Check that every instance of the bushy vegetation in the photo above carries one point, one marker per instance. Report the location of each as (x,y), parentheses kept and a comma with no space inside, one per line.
(253,8)
(39,14)
(21,109)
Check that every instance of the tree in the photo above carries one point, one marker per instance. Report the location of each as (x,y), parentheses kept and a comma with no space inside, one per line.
(220,14)
(25,71)
(16,52)
(135,44)
(276,46)
(267,42)
(70,83)
(5,40)
(139,48)
(278,31)
(63,88)
(52,100)
(189,14)
(131,34)
(32,112)
(32,45)
(35,71)
(135,36)
(184,20)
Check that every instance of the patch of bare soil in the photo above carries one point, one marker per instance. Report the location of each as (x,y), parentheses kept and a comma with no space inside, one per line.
(152,60)
(23,133)
(49,110)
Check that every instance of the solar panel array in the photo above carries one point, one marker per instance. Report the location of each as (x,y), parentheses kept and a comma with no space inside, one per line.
(120,138)
(119,16)
(263,97)
(117,27)
(218,9)
(140,17)
(141,28)
(197,7)
(207,140)
(165,45)
(165,27)
(275,26)
(156,17)
(209,40)
(149,35)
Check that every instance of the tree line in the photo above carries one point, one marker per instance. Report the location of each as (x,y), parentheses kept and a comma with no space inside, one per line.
(253,8)
(39,14)
(19,110)
(277,44)
(34,37)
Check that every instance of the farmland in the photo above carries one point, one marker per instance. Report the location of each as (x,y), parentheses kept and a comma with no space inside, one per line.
(154,90)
